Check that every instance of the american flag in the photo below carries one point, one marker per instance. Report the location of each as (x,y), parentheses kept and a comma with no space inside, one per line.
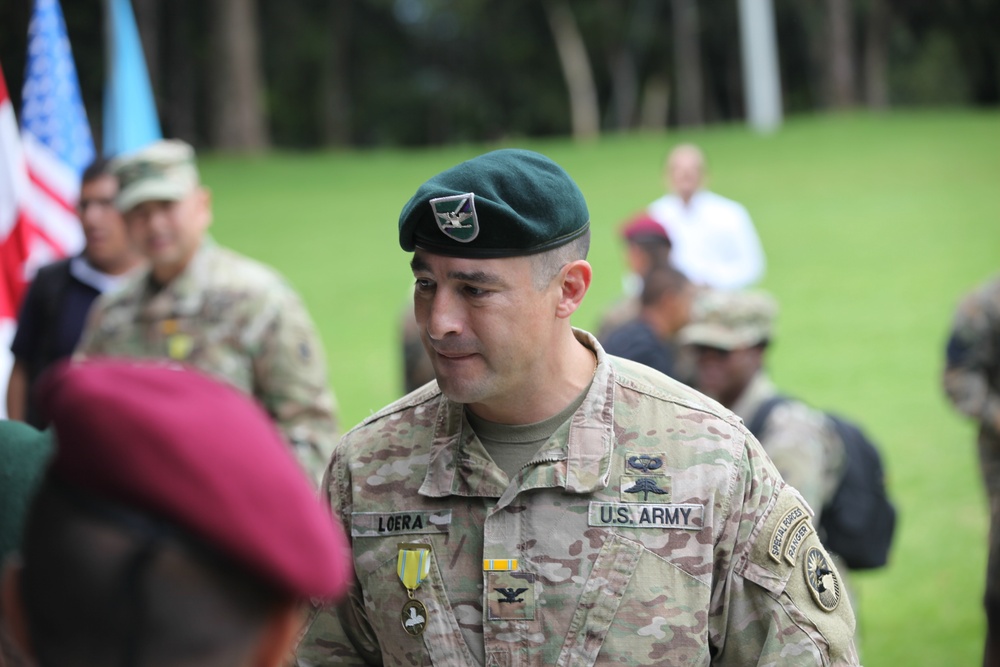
(40,169)
(55,135)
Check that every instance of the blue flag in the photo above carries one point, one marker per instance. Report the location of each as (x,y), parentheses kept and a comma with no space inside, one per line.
(130,120)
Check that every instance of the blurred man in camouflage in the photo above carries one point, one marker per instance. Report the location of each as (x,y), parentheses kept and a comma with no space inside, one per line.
(209,307)
(972,383)
(544,503)
(729,335)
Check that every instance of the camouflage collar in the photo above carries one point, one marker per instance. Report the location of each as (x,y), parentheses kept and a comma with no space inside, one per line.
(184,294)
(581,464)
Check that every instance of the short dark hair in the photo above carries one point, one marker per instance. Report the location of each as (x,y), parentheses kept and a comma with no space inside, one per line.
(105,585)
(660,280)
(99,167)
(656,248)
(547,265)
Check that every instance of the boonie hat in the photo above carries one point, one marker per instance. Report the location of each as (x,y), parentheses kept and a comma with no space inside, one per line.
(183,448)
(162,171)
(505,203)
(730,320)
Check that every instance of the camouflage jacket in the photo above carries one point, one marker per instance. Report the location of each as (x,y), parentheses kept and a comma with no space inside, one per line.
(238,320)
(650,529)
(800,440)
(972,370)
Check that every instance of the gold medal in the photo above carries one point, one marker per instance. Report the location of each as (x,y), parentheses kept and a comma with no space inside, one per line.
(179,346)
(413,564)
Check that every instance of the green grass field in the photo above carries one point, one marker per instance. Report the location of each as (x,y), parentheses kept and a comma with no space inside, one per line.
(873,227)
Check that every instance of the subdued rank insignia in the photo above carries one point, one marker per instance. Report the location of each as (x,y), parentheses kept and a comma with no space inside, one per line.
(638,489)
(644,463)
(822,579)
(510,596)
(456,216)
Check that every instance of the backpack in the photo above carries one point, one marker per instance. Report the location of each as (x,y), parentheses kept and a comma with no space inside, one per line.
(859,521)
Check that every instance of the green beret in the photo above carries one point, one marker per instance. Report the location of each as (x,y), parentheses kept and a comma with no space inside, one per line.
(24,453)
(505,203)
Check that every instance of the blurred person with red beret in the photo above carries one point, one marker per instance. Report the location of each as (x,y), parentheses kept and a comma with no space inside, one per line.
(172,527)
(646,247)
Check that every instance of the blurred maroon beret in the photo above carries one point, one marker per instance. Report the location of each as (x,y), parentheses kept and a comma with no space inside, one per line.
(642,224)
(176,444)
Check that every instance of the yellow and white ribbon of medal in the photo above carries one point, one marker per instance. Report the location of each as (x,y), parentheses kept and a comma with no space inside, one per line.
(413,564)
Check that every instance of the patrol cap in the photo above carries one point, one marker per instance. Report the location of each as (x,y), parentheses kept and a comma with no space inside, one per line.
(162,171)
(176,445)
(24,451)
(730,320)
(505,203)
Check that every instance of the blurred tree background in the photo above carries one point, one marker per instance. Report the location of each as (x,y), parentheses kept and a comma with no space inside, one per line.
(245,75)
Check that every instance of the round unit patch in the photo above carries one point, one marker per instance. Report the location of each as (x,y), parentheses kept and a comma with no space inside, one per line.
(822,579)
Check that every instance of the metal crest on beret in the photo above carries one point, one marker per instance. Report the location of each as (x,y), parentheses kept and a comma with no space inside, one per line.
(456,216)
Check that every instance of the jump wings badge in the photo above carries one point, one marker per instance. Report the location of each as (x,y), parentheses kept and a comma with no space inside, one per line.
(456,216)
(413,564)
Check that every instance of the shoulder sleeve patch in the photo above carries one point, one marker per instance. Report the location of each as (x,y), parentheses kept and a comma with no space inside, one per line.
(817,589)
(787,559)
(767,564)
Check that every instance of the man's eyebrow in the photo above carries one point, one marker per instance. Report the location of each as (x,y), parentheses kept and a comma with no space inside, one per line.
(417,264)
(481,277)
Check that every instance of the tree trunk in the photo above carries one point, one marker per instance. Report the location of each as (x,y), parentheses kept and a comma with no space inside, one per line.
(147,20)
(181,81)
(624,88)
(236,88)
(584,110)
(655,103)
(877,55)
(840,56)
(687,63)
(334,85)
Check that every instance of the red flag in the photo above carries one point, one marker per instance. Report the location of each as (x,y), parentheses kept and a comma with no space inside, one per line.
(16,231)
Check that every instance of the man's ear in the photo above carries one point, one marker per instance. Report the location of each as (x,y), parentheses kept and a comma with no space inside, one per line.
(279,637)
(12,613)
(575,280)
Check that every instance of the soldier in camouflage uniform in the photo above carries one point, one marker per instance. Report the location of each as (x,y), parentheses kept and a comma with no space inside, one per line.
(972,383)
(729,336)
(544,503)
(210,307)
